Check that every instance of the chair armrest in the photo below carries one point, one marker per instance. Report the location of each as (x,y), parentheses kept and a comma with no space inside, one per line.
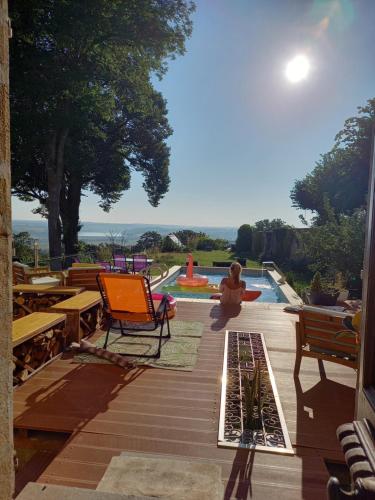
(327,312)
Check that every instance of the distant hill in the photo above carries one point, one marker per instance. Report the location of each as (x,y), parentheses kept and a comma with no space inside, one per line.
(97,232)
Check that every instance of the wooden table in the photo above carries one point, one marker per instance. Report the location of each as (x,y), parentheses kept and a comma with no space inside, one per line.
(83,312)
(47,289)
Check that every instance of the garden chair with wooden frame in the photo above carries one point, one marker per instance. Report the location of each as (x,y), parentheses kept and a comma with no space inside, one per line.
(321,334)
(27,275)
(127,300)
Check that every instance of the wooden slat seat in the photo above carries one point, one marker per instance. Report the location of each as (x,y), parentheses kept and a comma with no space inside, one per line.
(84,277)
(320,334)
(33,324)
(83,313)
(37,339)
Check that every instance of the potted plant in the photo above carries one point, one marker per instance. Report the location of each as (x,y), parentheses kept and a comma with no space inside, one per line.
(322,293)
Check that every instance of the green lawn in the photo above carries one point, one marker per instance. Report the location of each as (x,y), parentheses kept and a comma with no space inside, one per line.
(204,258)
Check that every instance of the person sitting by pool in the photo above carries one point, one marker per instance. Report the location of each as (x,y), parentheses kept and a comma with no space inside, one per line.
(232,288)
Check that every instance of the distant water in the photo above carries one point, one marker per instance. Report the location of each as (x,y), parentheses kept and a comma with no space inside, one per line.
(99,232)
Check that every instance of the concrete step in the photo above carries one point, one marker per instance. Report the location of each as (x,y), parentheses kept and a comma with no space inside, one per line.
(162,478)
(38,491)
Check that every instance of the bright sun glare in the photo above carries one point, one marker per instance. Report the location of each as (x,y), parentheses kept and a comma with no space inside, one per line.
(297,69)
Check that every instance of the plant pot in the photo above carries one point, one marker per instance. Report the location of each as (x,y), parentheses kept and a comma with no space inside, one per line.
(322,298)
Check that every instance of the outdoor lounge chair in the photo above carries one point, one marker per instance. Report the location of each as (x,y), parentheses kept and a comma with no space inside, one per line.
(119,263)
(127,300)
(321,334)
(41,275)
(139,263)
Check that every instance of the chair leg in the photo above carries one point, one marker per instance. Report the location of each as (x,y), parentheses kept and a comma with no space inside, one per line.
(168,328)
(297,364)
(121,327)
(107,335)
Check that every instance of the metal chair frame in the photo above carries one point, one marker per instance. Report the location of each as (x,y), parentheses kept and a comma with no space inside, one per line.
(159,317)
(120,258)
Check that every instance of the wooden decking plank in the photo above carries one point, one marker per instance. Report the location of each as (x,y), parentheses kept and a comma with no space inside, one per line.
(174,413)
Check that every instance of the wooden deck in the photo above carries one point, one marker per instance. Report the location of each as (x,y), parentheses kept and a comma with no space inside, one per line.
(108,410)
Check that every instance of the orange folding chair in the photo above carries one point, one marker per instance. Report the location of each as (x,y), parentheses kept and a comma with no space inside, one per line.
(127,300)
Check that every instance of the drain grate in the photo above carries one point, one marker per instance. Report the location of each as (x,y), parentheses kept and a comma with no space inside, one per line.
(250,415)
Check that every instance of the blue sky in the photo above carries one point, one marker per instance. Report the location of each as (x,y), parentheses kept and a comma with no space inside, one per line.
(242,132)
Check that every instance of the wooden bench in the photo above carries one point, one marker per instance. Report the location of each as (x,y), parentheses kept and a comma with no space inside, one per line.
(84,277)
(37,338)
(84,313)
(321,334)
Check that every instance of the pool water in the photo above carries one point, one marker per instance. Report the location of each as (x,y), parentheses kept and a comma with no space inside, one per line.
(270,291)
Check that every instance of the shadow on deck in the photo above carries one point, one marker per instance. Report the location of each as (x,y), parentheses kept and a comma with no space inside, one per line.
(171,413)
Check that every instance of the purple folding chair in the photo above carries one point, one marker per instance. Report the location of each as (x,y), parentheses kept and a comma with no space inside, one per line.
(119,263)
(139,263)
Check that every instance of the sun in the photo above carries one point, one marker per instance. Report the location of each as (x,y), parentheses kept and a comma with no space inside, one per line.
(297,69)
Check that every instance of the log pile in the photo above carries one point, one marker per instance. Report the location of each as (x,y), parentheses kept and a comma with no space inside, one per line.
(27,303)
(91,320)
(33,353)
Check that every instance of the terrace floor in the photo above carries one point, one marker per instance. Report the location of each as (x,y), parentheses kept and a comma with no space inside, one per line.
(172,413)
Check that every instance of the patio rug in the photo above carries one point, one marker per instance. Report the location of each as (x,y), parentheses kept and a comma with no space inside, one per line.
(180,352)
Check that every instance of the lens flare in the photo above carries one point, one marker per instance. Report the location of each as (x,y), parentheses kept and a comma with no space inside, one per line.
(297,69)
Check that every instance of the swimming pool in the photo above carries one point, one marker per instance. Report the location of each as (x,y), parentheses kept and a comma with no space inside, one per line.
(254,281)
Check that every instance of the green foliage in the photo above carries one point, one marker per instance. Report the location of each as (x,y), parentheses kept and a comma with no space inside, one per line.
(204,258)
(252,386)
(244,240)
(169,245)
(269,225)
(24,247)
(316,283)
(211,244)
(190,238)
(104,252)
(81,73)
(149,240)
(337,246)
(340,175)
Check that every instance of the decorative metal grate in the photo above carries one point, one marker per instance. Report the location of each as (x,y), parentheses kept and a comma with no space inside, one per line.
(250,415)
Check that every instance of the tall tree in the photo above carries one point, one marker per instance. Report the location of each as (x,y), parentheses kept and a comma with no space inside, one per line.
(341,175)
(84,110)
(244,240)
(268,225)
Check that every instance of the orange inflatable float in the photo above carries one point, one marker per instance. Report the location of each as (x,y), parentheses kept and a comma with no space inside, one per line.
(191,279)
(172,304)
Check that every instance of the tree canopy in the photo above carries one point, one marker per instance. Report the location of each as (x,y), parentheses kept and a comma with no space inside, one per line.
(84,110)
(341,175)
(269,225)
(149,239)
